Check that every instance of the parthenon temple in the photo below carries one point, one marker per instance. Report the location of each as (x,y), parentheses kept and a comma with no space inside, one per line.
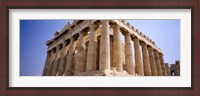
(96,48)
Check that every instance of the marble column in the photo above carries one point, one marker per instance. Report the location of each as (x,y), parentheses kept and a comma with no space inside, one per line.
(46,63)
(98,52)
(147,69)
(56,61)
(168,69)
(117,49)
(129,55)
(69,63)
(80,65)
(63,59)
(158,65)
(92,47)
(104,62)
(51,61)
(86,53)
(138,59)
(162,64)
(111,52)
(152,61)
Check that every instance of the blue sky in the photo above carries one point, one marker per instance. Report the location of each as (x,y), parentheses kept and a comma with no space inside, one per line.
(34,34)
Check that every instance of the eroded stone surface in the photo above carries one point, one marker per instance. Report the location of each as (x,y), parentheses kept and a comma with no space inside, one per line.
(106,72)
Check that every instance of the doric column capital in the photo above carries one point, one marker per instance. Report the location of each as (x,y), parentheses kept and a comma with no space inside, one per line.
(59,46)
(93,26)
(49,51)
(66,42)
(135,38)
(72,39)
(82,33)
(155,52)
(143,43)
(161,54)
(116,30)
(105,22)
(148,46)
(56,48)
(116,26)
(127,33)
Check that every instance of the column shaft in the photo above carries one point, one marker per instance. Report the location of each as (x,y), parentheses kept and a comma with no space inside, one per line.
(158,65)
(56,62)
(129,55)
(152,62)
(104,46)
(68,67)
(117,49)
(98,52)
(111,52)
(61,66)
(138,59)
(46,63)
(50,63)
(63,60)
(164,71)
(80,65)
(147,69)
(168,69)
(91,54)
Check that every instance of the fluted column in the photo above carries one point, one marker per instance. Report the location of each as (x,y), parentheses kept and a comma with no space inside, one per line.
(168,69)
(104,46)
(138,59)
(111,52)
(56,61)
(129,55)
(92,47)
(158,65)
(50,63)
(117,49)
(147,69)
(80,65)
(162,64)
(68,67)
(152,62)
(63,59)
(46,63)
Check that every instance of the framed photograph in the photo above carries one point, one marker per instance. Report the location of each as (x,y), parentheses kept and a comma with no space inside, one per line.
(100,47)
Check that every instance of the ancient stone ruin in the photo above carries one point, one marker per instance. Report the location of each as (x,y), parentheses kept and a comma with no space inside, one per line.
(95,48)
(175,68)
